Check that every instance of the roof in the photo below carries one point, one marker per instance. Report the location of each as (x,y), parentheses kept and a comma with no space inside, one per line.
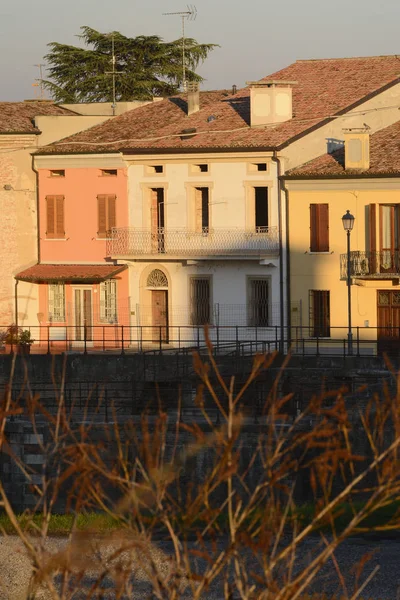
(17,117)
(78,273)
(324,88)
(384,159)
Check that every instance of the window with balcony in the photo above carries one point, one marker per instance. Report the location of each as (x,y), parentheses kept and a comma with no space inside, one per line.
(319,228)
(258,302)
(202,209)
(56,302)
(261,209)
(320,317)
(55,227)
(106,214)
(108,301)
(389,237)
(200,300)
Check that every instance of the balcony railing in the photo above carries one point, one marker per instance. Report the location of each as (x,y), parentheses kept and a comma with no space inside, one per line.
(378,265)
(129,241)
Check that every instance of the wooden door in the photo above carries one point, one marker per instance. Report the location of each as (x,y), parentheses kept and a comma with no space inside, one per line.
(83,314)
(388,322)
(159,303)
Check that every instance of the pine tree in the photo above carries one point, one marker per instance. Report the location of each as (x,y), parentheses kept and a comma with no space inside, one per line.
(146,66)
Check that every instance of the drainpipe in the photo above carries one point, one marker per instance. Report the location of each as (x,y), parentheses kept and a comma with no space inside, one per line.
(37,208)
(277,160)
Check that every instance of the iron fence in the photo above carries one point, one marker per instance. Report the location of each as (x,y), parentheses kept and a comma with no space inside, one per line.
(226,339)
(128,241)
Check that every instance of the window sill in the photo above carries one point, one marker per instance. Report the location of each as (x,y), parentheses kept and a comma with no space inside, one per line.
(324,252)
(105,239)
(56,239)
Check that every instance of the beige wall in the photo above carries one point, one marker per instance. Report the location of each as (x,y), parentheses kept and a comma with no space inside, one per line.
(58,127)
(321,271)
(105,108)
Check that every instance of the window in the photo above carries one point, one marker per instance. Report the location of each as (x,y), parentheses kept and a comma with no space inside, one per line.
(200,300)
(261,166)
(109,172)
(56,299)
(154,169)
(261,209)
(202,211)
(319,227)
(57,173)
(258,302)
(55,217)
(199,168)
(106,211)
(108,301)
(320,317)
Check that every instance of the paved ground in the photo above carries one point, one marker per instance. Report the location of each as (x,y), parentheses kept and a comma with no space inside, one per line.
(15,570)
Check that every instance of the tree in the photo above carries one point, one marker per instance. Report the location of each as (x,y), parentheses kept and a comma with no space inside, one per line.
(146,66)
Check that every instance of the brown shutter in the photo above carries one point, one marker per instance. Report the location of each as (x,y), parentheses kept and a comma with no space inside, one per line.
(50,209)
(102,216)
(198,209)
(59,221)
(323,228)
(314,227)
(111,212)
(372,238)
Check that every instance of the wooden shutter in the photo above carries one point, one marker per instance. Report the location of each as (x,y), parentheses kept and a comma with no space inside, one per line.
(198,209)
(111,208)
(372,238)
(59,223)
(101,216)
(319,227)
(50,209)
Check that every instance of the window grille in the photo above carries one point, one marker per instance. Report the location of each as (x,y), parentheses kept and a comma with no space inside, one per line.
(200,300)
(56,300)
(108,301)
(258,302)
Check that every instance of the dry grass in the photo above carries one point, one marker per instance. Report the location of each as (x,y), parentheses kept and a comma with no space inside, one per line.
(225,530)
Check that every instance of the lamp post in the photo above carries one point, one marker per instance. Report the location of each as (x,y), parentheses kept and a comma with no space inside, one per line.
(348,224)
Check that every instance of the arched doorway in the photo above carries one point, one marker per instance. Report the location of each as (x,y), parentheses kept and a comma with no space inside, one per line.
(157,284)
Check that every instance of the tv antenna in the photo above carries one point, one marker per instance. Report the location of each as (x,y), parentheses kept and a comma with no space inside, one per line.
(190,14)
(39,82)
(113,72)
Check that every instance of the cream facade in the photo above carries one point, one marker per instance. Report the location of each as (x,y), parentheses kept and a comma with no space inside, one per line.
(321,276)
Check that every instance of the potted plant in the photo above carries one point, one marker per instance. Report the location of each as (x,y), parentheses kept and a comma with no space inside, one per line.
(3,336)
(19,338)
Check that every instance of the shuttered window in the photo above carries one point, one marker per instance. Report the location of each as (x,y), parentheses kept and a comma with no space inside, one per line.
(200,300)
(320,313)
(106,214)
(108,301)
(319,227)
(258,302)
(55,227)
(56,299)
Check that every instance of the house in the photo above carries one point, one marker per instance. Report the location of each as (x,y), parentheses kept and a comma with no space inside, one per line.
(362,176)
(200,226)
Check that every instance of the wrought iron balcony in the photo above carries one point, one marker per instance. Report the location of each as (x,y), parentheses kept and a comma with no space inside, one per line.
(129,241)
(374,265)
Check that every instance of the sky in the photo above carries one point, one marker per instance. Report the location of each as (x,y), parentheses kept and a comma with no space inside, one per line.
(257,37)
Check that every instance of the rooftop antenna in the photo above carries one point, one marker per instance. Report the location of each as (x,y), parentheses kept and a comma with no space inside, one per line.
(190,14)
(39,82)
(113,72)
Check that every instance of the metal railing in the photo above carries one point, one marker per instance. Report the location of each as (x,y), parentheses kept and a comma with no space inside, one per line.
(371,264)
(129,241)
(238,340)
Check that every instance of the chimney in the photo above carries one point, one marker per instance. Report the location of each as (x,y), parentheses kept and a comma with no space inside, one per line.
(193,98)
(270,102)
(356,148)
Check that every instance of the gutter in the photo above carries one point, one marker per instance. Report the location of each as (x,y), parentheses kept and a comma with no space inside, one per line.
(277,160)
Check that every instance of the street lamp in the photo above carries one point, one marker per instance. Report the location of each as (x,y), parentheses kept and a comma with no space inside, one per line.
(348,224)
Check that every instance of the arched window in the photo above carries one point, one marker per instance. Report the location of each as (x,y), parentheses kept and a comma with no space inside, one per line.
(157,279)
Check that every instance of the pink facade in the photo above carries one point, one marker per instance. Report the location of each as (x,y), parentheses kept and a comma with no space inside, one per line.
(74,215)
(80,188)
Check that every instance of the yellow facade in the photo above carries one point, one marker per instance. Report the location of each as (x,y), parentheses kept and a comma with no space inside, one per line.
(322,270)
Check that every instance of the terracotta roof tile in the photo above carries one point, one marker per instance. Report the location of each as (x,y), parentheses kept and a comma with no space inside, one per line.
(88,273)
(384,158)
(324,88)
(17,117)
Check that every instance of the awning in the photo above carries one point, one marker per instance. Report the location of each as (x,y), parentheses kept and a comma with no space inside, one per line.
(70,273)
